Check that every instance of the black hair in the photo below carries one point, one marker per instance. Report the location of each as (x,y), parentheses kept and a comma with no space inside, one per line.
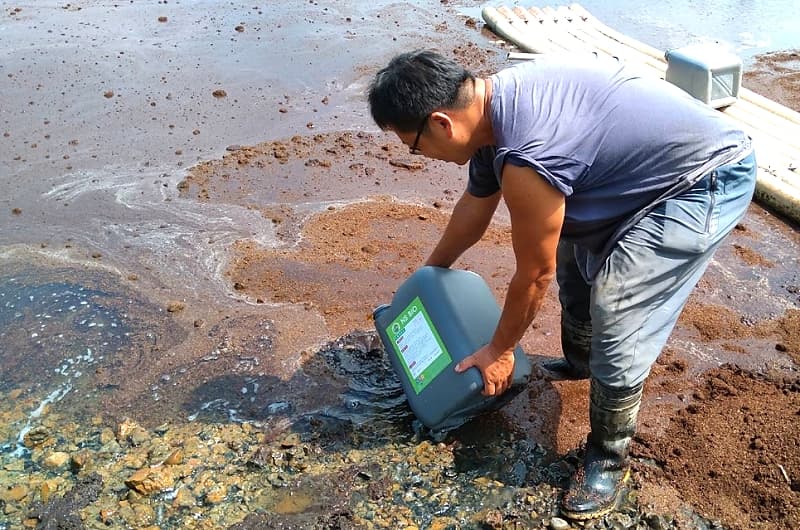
(413,85)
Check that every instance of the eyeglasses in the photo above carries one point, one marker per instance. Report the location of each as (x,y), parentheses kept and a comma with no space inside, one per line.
(414,150)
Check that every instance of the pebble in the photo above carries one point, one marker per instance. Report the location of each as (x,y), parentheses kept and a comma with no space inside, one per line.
(55,460)
(36,437)
(175,458)
(15,494)
(208,476)
(175,307)
(216,494)
(183,499)
(151,480)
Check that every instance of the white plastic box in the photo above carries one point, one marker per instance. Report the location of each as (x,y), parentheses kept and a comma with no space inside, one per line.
(708,72)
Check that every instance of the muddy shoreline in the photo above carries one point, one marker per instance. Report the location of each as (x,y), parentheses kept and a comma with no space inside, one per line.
(187,299)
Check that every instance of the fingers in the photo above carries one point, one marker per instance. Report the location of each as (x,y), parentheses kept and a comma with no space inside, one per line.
(495,389)
(466,362)
(497,374)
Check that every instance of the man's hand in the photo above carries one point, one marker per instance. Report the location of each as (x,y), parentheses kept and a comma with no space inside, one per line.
(497,369)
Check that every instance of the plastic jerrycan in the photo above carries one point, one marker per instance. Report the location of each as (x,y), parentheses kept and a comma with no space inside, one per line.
(437,317)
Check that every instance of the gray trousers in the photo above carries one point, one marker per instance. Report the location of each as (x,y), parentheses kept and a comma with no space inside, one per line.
(635,299)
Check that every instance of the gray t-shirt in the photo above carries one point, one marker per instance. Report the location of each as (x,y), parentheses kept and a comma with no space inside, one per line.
(613,142)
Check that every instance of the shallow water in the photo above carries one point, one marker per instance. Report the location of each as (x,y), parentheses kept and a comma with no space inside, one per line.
(747,27)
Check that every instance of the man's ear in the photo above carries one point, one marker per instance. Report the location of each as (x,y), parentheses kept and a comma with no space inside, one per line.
(442,123)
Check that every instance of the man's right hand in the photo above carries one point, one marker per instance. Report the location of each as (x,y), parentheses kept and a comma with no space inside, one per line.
(497,369)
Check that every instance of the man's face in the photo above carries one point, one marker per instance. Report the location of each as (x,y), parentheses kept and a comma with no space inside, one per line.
(435,139)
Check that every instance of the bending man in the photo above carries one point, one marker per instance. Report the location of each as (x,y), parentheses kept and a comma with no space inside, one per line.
(618,185)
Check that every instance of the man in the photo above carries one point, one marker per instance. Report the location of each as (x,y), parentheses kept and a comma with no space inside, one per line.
(620,186)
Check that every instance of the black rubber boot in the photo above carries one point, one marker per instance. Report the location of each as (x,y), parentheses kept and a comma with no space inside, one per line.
(576,342)
(595,488)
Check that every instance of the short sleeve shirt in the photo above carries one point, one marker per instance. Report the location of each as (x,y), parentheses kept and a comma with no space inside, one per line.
(615,143)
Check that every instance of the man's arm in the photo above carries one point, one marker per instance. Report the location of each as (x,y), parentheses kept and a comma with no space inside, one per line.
(471,216)
(537,215)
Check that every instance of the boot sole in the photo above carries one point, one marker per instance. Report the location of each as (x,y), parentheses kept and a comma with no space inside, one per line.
(585,516)
(588,516)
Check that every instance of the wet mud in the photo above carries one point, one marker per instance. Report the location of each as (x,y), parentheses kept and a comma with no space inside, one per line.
(776,75)
(185,333)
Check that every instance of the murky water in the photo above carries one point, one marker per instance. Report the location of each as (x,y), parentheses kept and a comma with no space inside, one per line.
(113,295)
(58,330)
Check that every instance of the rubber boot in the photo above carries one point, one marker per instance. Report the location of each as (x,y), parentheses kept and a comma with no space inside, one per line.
(595,489)
(576,342)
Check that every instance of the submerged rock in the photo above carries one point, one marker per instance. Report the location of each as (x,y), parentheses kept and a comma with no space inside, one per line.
(36,437)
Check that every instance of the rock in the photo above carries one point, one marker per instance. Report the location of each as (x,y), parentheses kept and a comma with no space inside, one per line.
(411,165)
(278,407)
(106,516)
(145,516)
(175,458)
(15,465)
(657,522)
(134,460)
(151,480)
(139,437)
(125,428)
(175,306)
(47,489)
(184,499)
(217,494)
(14,494)
(557,523)
(290,440)
(79,461)
(620,521)
(106,435)
(443,523)
(36,437)
(55,460)
(111,447)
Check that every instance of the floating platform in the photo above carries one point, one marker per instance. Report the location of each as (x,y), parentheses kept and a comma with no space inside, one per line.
(774,128)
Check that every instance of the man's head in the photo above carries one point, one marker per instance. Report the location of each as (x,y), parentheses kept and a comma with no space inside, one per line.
(419,91)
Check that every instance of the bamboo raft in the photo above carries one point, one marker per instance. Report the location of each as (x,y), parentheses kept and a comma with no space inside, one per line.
(775,129)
